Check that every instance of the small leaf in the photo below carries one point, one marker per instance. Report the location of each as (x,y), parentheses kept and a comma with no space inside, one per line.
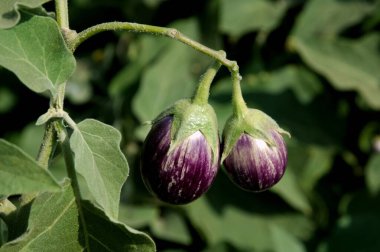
(242,16)
(35,51)
(104,234)
(53,224)
(19,173)
(42,119)
(9,13)
(372,174)
(99,160)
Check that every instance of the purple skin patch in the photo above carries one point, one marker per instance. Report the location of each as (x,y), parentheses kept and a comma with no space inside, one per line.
(182,175)
(255,166)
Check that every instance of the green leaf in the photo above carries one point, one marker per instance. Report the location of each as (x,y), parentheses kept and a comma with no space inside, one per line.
(146,49)
(224,247)
(372,174)
(168,79)
(19,173)
(308,163)
(301,81)
(348,65)
(137,216)
(283,242)
(172,227)
(340,15)
(246,230)
(7,100)
(3,232)
(289,189)
(243,219)
(9,11)
(105,234)
(78,87)
(28,139)
(53,224)
(242,16)
(35,51)
(99,160)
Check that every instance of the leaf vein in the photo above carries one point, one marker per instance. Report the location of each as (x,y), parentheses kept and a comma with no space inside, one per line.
(98,241)
(51,225)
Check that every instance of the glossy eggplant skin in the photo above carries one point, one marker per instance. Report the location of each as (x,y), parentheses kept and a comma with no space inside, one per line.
(182,174)
(254,165)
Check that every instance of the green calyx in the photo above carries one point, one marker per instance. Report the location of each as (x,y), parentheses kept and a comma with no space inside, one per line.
(195,114)
(189,118)
(252,122)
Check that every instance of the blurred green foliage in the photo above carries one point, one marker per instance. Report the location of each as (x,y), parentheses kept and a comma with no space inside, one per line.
(311,65)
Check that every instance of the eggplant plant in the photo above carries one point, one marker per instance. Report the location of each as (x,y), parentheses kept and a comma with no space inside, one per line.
(180,159)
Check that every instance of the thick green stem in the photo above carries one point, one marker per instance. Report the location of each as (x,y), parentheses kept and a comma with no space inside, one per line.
(70,167)
(62,13)
(202,93)
(45,153)
(155,30)
(47,146)
(238,103)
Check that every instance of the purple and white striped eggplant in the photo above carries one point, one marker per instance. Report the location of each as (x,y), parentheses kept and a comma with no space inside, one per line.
(255,154)
(180,156)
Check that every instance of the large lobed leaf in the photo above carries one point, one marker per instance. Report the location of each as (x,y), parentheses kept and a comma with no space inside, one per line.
(54,225)
(349,64)
(104,234)
(19,172)
(101,163)
(35,51)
